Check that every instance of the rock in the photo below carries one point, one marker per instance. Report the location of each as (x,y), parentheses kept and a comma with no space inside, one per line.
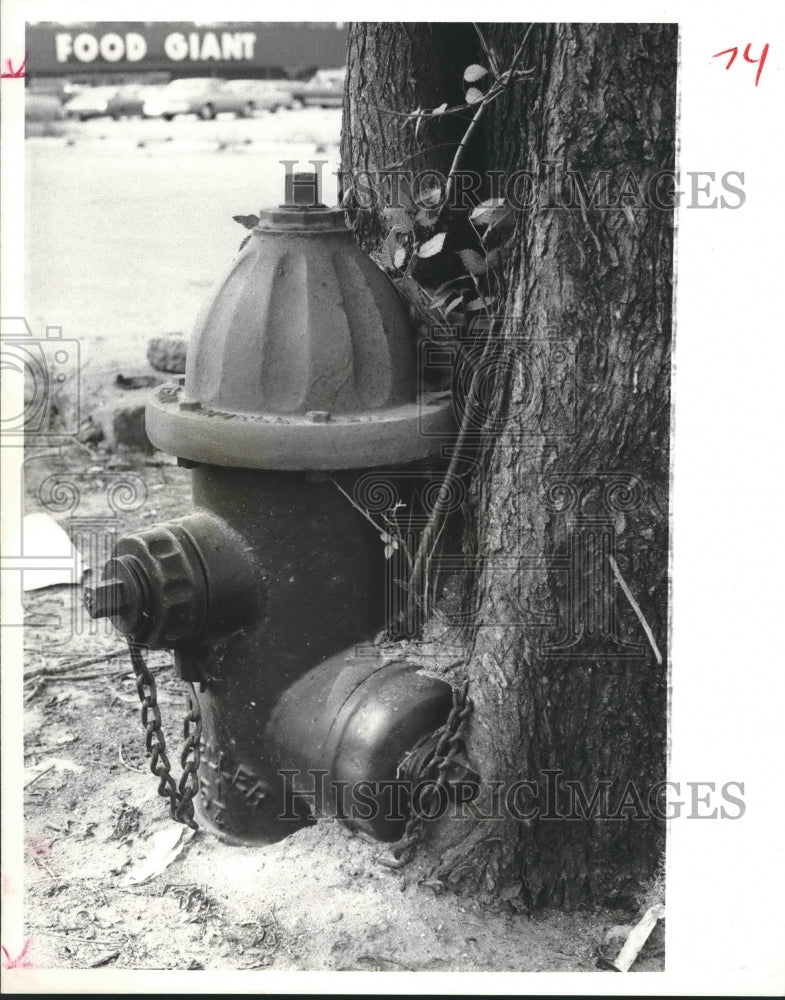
(90,432)
(128,428)
(616,936)
(167,354)
(137,381)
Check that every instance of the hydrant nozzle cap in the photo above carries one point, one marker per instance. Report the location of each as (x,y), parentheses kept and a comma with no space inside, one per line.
(301,190)
(301,209)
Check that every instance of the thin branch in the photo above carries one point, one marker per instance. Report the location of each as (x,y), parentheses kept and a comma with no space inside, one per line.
(40,774)
(492,94)
(518,53)
(489,54)
(636,608)
(66,665)
(425,547)
(357,507)
(125,764)
(414,156)
(414,115)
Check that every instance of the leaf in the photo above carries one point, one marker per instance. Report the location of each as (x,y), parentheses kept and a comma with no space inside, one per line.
(400,257)
(412,290)
(477,304)
(417,115)
(165,847)
(385,537)
(440,110)
(496,255)
(474,96)
(432,246)
(473,262)
(405,193)
(249,221)
(426,219)
(388,551)
(431,196)
(511,891)
(453,305)
(400,219)
(485,215)
(474,73)
(438,300)
(486,210)
(501,219)
(388,250)
(450,281)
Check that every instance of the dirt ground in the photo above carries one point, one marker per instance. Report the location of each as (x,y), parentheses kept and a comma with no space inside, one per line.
(141,233)
(319,900)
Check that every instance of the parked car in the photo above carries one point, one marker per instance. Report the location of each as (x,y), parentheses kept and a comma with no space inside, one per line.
(129,101)
(58,87)
(92,102)
(323,90)
(202,96)
(264,95)
(43,108)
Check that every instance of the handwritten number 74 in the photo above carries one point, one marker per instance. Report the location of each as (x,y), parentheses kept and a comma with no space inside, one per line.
(747,58)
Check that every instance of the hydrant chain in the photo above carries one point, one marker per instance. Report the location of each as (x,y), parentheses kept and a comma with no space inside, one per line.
(180,796)
(434,769)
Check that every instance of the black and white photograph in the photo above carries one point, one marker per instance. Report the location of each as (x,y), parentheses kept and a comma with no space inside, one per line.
(387,448)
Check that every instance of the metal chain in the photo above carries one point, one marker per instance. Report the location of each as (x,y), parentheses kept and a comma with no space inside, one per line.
(449,743)
(181,796)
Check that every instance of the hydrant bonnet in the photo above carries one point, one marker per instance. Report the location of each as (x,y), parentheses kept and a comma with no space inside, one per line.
(303,359)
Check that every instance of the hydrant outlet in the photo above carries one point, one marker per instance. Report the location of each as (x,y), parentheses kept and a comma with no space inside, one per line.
(174,583)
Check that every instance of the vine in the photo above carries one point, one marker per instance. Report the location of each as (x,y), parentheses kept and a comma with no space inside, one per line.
(467,304)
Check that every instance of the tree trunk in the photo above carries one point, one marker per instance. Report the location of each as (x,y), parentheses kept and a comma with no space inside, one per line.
(394,69)
(566,651)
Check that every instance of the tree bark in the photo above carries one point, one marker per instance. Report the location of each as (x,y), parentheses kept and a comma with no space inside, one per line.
(567,647)
(394,69)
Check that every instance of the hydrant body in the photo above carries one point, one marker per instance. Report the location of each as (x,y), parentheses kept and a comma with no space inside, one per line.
(301,376)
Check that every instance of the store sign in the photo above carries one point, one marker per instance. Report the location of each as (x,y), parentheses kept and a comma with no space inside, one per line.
(178,46)
(182,47)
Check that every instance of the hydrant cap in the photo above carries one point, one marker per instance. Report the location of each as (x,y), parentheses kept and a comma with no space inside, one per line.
(303,358)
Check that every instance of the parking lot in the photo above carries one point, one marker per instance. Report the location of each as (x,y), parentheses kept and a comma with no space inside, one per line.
(129,223)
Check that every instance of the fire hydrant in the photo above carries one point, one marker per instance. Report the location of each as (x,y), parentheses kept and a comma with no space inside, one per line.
(301,376)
